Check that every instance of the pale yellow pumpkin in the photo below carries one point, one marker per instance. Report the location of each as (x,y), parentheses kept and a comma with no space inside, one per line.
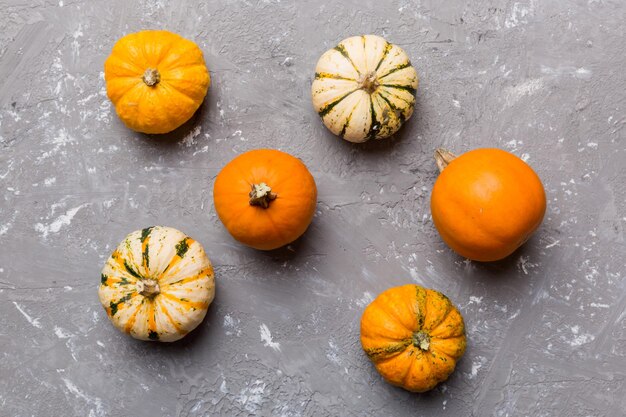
(157,285)
(364,88)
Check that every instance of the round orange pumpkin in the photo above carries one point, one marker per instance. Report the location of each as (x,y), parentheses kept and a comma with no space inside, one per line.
(414,336)
(265,198)
(486,203)
(156,80)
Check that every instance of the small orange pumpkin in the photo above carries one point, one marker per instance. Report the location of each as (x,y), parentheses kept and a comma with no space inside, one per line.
(486,203)
(414,336)
(265,198)
(156,80)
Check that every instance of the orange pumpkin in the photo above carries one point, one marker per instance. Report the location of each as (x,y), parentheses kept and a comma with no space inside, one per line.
(156,80)
(486,203)
(265,198)
(414,336)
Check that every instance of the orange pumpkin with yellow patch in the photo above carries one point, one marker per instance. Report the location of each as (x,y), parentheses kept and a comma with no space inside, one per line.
(414,336)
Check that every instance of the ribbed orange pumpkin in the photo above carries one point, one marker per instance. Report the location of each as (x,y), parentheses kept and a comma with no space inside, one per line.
(156,80)
(414,336)
(265,198)
(486,203)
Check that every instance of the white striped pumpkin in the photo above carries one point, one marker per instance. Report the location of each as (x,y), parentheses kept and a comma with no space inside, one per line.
(157,285)
(364,88)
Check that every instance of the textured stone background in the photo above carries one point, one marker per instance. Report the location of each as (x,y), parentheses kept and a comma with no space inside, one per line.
(546,328)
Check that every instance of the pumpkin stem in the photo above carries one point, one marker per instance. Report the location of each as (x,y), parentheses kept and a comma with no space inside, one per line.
(151,77)
(421,340)
(369,82)
(443,157)
(261,195)
(148,287)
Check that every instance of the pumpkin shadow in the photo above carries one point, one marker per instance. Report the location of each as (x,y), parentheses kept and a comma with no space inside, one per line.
(173,138)
(291,251)
(504,271)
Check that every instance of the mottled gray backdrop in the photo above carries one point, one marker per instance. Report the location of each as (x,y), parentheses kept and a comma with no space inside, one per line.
(546,327)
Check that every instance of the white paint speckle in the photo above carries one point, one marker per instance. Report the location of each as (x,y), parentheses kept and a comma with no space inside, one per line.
(475,300)
(251,397)
(95,401)
(61,333)
(190,139)
(527,88)
(518,15)
(232,325)
(332,353)
(365,300)
(33,321)
(59,222)
(478,363)
(266,337)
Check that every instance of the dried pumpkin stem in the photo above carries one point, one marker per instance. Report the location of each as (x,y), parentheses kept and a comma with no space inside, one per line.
(421,340)
(369,82)
(443,157)
(261,195)
(151,77)
(148,287)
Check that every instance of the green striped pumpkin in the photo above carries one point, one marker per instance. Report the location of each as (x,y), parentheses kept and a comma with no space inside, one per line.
(157,285)
(364,88)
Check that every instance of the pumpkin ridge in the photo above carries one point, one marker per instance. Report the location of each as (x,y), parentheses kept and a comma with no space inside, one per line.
(322,75)
(408,88)
(131,271)
(381,306)
(152,334)
(398,108)
(380,353)
(449,308)
(328,107)
(145,249)
(384,56)
(131,320)
(374,126)
(166,51)
(168,86)
(167,315)
(202,274)
(396,69)
(343,51)
(181,249)
(196,305)
(278,231)
(114,305)
(128,87)
(168,63)
(410,367)
(120,267)
(420,298)
(441,352)
(391,95)
(347,123)
(399,113)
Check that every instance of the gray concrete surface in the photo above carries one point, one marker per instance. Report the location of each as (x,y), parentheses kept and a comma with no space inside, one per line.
(546,328)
